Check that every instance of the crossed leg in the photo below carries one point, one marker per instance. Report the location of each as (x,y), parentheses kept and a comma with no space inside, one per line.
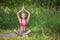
(28,32)
(17,32)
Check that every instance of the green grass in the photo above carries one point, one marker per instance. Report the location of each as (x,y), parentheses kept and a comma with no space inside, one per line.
(34,36)
(44,23)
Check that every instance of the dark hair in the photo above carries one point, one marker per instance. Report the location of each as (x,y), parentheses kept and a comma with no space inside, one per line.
(25,14)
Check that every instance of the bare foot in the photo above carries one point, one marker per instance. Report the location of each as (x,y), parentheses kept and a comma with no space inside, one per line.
(14,30)
(17,32)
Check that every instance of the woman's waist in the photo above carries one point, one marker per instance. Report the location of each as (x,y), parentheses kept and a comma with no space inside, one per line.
(23,26)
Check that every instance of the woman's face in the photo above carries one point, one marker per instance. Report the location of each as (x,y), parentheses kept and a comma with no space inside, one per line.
(23,15)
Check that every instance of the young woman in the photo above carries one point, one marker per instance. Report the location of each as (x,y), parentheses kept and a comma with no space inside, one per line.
(23,22)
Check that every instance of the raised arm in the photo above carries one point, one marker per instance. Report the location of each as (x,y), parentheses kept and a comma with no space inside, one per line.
(18,16)
(28,18)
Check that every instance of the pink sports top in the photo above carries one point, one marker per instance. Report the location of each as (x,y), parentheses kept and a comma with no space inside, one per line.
(23,23)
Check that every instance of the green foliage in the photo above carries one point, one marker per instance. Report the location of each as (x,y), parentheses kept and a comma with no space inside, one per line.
(44,22)
(48,3)
(42,19)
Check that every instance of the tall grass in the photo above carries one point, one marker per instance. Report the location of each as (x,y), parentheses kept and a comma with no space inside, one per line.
(44,22)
